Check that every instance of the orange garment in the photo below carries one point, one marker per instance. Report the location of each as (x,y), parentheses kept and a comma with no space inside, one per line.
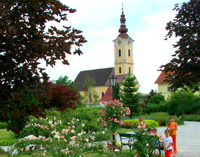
(171,126)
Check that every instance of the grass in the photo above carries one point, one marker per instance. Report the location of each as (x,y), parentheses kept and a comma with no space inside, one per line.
(4,134)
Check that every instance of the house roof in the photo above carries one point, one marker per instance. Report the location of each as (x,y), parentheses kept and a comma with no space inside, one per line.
(101,77)
(162,78)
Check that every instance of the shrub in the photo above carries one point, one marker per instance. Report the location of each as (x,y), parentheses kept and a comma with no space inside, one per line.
(156,99)
(161,117)
(133,123)
(162,107)
(192,117)
(191,103)
(3,125)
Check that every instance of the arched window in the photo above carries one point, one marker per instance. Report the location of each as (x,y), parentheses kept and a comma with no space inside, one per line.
(129,52)
(120,70)
(119,52)
(102,94)
(129,69)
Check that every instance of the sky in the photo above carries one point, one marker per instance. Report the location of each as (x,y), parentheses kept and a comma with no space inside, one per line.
(100,20)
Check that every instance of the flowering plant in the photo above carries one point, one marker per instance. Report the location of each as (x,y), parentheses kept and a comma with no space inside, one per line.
(51,138)
(111,115)
(141,142)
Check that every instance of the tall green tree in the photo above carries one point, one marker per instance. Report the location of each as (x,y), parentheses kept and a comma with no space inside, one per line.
(117,91)
(25,42)
(184,68)
(129,94)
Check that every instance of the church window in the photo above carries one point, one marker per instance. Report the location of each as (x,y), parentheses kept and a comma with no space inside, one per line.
(129,69)
(129,52)
(119,52)
(102,94)
(120,70)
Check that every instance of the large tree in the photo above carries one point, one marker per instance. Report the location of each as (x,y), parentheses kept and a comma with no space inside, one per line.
(25,42)
(184,68)
(129,94)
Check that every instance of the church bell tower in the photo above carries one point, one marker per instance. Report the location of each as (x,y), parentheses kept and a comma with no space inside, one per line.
(123,50)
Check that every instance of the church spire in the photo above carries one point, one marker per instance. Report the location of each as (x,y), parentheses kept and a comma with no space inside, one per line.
(123,29)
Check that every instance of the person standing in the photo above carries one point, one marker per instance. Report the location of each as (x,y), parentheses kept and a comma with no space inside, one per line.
(167,143)
(172,127)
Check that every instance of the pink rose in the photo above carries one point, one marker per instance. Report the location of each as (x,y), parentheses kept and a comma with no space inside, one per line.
(103,102)
(122,104)
(144,133)
(139,127)
(61,136)
(147,145)
(132,143)
(73,126)
(52,125)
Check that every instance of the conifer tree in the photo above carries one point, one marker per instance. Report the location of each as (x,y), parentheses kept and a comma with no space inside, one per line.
(129,94)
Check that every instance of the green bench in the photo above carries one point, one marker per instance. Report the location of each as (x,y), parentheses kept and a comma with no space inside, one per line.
(156,144)
(125,139)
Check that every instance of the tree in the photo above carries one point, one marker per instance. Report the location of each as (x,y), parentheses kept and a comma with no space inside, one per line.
(90,94)
(184,69)
(117,91)
(156,99)
(129,94)
(25,41)
(64,80)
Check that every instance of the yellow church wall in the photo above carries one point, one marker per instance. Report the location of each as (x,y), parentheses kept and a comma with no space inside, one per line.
(117,69)
(94,90)
(119,59)
(100,89)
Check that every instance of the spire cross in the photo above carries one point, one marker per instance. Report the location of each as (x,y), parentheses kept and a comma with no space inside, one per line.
(122,8)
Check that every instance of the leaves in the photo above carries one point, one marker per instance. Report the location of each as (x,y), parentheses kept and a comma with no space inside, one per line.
(185,64)
(25,42)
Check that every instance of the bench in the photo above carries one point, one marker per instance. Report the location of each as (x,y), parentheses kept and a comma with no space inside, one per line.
(156,144)
(126,139)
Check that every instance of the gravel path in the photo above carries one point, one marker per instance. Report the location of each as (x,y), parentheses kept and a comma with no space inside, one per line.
(188,139)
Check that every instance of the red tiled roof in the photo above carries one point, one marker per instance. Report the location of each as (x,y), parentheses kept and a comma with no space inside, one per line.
(162,78)
(108,95)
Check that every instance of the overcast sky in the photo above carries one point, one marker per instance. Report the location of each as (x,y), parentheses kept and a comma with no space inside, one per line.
(100,20)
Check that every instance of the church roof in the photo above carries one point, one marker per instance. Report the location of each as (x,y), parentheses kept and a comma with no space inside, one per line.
(101,77)
(108,95)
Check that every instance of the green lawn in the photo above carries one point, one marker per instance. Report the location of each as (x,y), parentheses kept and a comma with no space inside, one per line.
(4,134)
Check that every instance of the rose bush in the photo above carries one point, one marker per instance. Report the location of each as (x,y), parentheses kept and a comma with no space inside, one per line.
(52,138)
(112,113)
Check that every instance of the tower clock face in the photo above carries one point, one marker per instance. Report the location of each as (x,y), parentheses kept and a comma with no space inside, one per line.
(119,42)
(129,42)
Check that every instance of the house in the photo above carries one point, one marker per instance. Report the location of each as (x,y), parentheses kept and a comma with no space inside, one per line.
(123,64)
(164,87)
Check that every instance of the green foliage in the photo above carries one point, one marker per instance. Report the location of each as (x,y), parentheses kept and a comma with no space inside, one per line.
(161,117)
(156,99)
(192,117)
(88,114)
(133,123)
(191,103)
(3,125)
(25,43)
(7,142)
(141,144)
(53,138)
(162,107)
(117,91)
(130,96)
(185,64)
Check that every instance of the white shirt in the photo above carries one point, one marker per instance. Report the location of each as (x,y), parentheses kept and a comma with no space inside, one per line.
(167,141)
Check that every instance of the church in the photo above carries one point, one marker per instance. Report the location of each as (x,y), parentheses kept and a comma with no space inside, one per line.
(123,64)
